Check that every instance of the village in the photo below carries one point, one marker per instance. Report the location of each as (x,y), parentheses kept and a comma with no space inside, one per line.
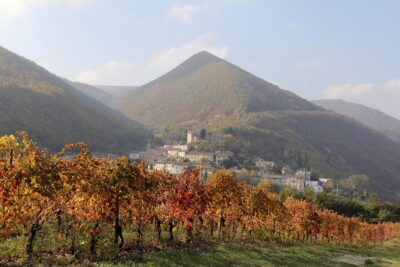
(203,150)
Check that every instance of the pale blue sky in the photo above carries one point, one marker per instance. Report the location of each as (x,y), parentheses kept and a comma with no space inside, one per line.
(346,49)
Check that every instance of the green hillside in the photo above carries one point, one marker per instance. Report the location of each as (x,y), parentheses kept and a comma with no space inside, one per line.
(55,113)
(202,88)
(373,118)
(263,120)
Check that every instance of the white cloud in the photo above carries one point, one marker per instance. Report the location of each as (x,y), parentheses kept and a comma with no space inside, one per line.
(392,86)
(382,96)
(347,90)
(184,13)
(175,55)
(12,9)
(365,90)
(312,64)
(137,73)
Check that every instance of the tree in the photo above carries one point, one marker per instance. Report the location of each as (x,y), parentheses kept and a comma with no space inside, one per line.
(30,183)
(188,201)
(225,204)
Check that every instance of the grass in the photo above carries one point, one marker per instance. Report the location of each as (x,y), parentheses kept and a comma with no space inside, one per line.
(205,253)
(274,255)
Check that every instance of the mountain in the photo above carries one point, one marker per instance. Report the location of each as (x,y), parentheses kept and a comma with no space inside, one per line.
(373,118)
(116,91)
(54,113)
(258,119)
(92,92)
(204,87)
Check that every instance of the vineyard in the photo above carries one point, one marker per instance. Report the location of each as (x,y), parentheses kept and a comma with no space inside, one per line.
(85,202)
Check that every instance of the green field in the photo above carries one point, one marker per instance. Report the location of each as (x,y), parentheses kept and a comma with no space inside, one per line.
(213,254)
(268,255)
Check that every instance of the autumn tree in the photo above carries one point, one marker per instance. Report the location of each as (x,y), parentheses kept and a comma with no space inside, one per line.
(30,183)
(225,205)
(188,200)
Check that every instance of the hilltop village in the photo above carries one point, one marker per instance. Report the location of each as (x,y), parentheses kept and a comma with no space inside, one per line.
(204,150)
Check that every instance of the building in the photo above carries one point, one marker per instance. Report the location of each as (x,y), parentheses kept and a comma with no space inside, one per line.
(276,179)
(264,164)
(298,182)
(191,137)
(286,170)
(176,153)
(201,135)
(314,185)
(303,174)
(174,168)
(134,155)
(176,150)
(327,183)
(200,156)
(177,147)
(150,155)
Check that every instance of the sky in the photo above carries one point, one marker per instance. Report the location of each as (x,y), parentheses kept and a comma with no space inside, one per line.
(318,49)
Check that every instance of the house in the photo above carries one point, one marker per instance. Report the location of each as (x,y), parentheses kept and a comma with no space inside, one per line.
(151,155)
(182,154)
(176,150)
(200,156)
(191,137)
(286,170)
(326,182)
(201,135)
(303,174)
(176,153)
(296,183)
(134,155)
(172,152)
(276,179)
(174,168)
(264,164)
(177,147)
(314,185)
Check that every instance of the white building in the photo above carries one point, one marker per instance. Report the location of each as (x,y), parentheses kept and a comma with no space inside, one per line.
(303,174)
(176,153)
(134,155)
(176,150)
(176,147)
(264,164)
(314,185)
(296,183)
(174,168)
(191,137)
(200,156)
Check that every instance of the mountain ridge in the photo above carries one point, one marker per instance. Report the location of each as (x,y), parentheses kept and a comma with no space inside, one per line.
(54,113)
(193,83)
(374,118)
